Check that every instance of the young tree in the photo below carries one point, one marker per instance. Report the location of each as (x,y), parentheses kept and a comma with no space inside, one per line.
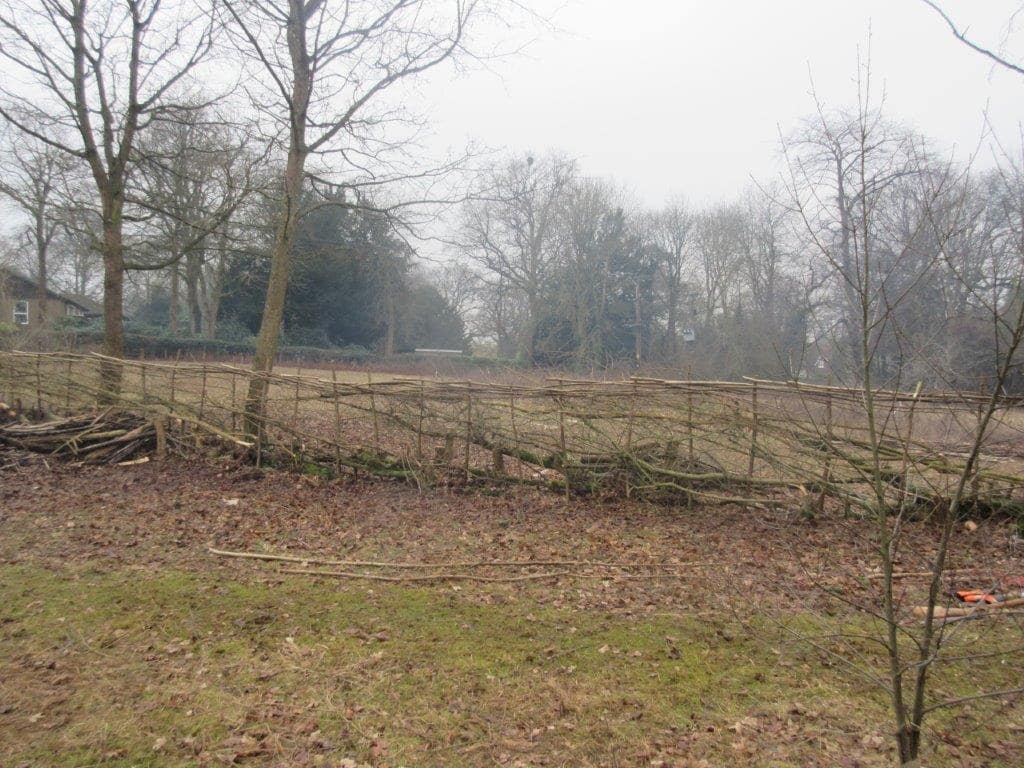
(902,210)
(88,78)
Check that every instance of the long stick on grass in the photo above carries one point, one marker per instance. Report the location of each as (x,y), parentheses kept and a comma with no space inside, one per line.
(268,556)
(425,578)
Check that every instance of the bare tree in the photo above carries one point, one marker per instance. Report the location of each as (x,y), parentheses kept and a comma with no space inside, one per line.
(844,177)
(511,233)
(718,247)
(195,175)
(591,235)
(329,63)
(89,78)
(672,232)
(459,285)
(33,178)
(901,212)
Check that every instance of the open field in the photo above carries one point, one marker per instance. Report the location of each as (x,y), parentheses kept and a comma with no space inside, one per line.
(677,639)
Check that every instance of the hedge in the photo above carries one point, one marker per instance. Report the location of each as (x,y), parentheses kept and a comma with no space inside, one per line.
(144,345)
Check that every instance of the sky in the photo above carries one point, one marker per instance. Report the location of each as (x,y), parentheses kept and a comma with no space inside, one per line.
(687,97)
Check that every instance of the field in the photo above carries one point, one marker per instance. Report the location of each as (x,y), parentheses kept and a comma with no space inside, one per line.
(680,638)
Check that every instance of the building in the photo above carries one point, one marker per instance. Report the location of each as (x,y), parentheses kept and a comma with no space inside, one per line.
(19,302)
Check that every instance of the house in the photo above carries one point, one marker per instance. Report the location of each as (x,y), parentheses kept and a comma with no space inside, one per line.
(19,302)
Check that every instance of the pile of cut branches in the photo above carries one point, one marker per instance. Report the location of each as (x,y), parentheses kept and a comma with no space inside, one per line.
(108,437)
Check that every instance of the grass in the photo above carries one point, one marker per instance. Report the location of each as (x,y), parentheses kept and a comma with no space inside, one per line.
(126,669)
(166,668)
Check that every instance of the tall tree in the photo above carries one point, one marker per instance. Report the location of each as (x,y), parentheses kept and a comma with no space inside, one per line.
(671,231)
(33,177)
(838,180)
(195,176)
(511,233)
(329,63)
(88,78)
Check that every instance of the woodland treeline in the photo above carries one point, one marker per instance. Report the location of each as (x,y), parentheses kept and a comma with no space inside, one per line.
(563,269)
(294,205)
(198,246)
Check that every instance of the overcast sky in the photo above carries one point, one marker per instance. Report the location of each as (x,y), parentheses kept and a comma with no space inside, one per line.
(688,96)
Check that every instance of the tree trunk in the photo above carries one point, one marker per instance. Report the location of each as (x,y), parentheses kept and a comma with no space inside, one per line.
(277,288)
(671,331)
(638,340)
(213,288)
(850,279)
(193,266)
(528,345)
(280,264)
(41,277)
(113,296)
(389,322)
(174,300)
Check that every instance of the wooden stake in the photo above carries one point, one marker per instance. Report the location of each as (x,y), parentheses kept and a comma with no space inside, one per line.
(160,427)
(561,443)
(337,416)
(67,392)
(234,403)
(202,396)
(689,414)
(826,475)
(39,383)
(373,407)
(174,381)
(512,417)
(419,429)
(469,429)
(632,415)
(753,430)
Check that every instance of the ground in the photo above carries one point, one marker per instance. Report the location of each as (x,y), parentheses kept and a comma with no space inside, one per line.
(677,637)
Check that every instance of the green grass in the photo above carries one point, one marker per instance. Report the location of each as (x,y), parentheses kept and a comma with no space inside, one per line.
(164,668)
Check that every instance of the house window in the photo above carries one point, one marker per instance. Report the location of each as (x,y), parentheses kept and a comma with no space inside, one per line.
(72,311)
(21,312)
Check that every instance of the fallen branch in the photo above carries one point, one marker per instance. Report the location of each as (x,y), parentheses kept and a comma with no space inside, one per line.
(422,578)
(457,564)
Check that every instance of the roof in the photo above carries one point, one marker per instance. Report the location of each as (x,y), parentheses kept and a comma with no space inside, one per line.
(89,306)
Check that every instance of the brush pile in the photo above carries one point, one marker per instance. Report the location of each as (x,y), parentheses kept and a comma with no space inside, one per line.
(109,437)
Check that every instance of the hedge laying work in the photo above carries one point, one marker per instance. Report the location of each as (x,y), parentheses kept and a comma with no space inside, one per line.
(753,442)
